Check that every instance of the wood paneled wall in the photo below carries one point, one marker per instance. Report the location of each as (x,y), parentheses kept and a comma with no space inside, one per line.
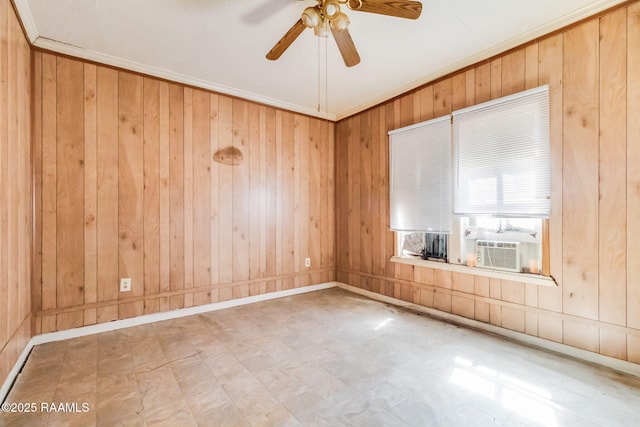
(126,186)
(15,189)
(593,70)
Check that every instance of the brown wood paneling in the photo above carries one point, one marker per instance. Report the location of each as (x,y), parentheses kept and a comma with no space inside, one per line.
(164,198)
(354,189)
(550,57)
(186,228)
(342,200)
(240,194)
(580,171)
(612,206)
(131,189)
(107,220)
(513,72)
(483,82)
(633,175)
(16,187)
(253,161)
(151,196)
(188,193)
(90,191)
(215,207)
(70,184)
(315,200)
(176,190)
(287,202)
(36,162)
(202,157)
(426,103)
(458,91)
(365,192)
(49,174)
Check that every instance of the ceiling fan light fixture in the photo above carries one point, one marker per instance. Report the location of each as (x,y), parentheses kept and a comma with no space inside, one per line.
(311,17)
(354,4)
(340,22)
(321,29)
(331,9)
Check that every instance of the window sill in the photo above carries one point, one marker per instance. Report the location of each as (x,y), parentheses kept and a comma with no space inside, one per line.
(533,279)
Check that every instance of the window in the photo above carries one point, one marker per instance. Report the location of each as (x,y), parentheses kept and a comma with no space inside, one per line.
(500,185)
(501,150)
(420,186)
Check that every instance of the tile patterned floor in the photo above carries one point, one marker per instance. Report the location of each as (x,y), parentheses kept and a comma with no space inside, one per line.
(328,358)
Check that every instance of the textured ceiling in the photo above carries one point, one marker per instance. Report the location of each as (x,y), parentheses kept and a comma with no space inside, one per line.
(221,44)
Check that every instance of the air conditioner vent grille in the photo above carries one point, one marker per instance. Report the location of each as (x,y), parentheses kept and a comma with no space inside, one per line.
(498,255)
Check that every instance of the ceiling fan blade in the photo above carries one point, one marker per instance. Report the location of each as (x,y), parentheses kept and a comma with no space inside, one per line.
(286,40)
(401,8)
(346,47)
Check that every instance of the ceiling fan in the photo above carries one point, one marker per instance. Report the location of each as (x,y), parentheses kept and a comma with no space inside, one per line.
(327,14)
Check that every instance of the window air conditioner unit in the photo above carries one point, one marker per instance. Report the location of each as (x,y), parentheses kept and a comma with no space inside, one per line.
(498,255)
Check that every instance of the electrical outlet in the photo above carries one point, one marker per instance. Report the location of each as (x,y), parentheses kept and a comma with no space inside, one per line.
(125,284)
(307,262)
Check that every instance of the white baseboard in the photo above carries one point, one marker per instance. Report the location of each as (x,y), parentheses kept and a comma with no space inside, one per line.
(13,373)
(587,356)
(145,319)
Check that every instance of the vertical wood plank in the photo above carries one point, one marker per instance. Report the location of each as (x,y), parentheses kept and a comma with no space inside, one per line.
(496,78)
(483,82)
(531,66)
(263,192)
(271,200)
(328,174)
(176,189)
(49,184)
(550,56)
(426,103)
(458,91)
(406,110)
(36,124)
(107,225)
(442,98)
(202,156)
(470,87)
(297,262)
(253,150)
(90,191)
(70,180)
(225,192)
(354,196)
(215,171)
(633,175)
(5,118)
(513,72)
(612,206)
(365,192)
(164,196)
(131,189)
(580,171)
(240,176)
(151,206)
(287,202)
(188,194)
(377,230)
(342,197)
(303,160)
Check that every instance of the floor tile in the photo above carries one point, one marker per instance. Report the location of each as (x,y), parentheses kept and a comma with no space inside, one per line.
(327,358)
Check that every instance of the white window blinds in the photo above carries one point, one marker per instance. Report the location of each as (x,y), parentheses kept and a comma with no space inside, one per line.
(420,185)
(501,156)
